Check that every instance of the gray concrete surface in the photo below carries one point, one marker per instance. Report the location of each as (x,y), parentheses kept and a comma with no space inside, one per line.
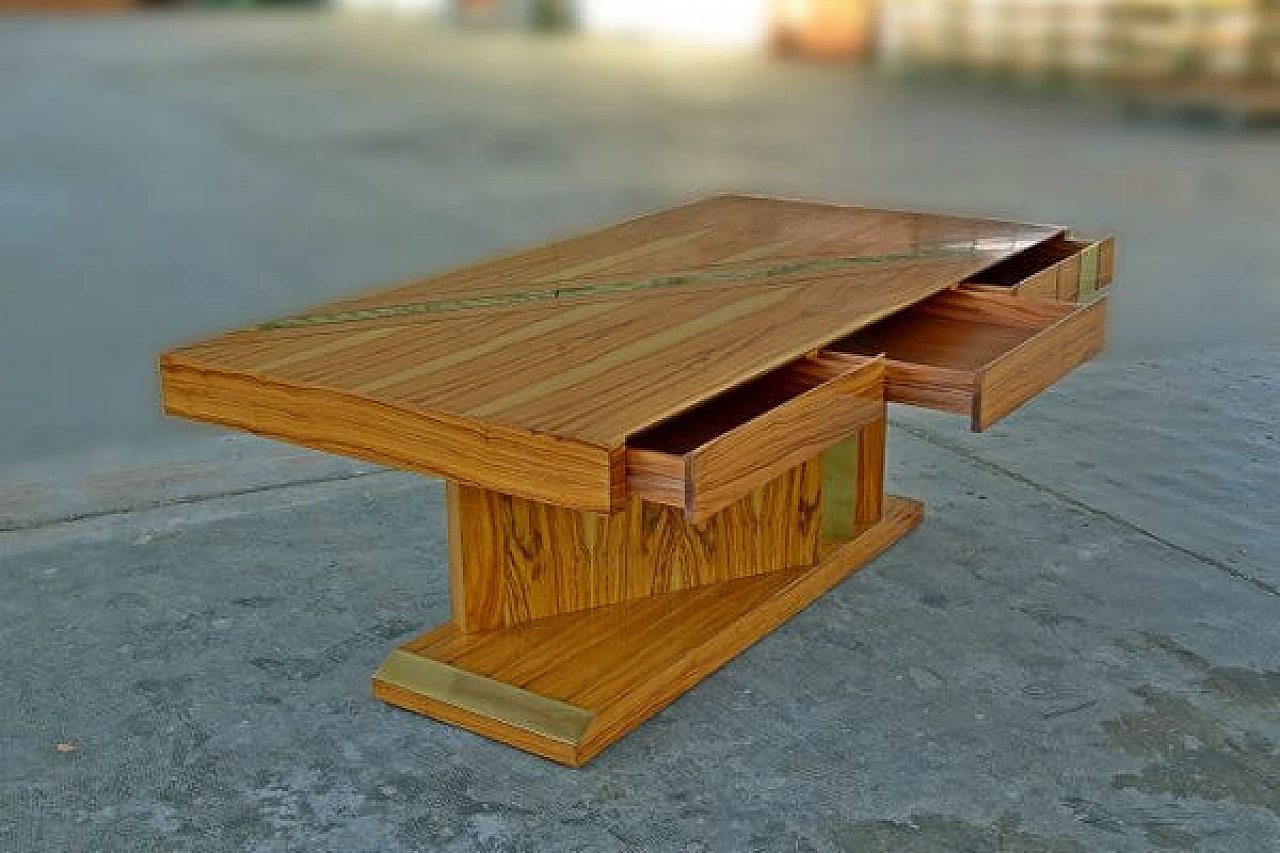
(1077,651)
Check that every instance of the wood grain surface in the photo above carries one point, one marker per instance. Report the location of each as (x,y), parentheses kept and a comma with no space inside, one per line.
(1034,365)
(523,560)
(517,462)
(623,663)
(1060,268)
(711,455)
(663,438)
(980,353)
(583,343)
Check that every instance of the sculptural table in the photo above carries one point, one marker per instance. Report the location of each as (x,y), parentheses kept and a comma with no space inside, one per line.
(661,439)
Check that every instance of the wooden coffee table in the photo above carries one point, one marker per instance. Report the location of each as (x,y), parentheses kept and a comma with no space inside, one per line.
(661,439)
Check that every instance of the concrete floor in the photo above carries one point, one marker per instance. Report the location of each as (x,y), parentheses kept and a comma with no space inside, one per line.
(1077,651)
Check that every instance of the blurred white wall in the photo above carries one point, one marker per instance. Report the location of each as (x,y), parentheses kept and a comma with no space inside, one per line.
(725,22)
(721,22)
(424,7)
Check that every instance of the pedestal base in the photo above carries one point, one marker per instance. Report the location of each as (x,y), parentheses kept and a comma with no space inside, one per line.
(567,686)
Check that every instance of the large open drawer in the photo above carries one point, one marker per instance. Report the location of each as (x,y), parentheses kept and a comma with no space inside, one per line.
(710,456)
(1061,268)
(980,353)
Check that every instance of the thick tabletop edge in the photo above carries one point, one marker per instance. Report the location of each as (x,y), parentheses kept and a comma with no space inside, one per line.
(541,467)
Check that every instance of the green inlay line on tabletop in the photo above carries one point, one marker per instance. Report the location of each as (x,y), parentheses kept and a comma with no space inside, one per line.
(502,300)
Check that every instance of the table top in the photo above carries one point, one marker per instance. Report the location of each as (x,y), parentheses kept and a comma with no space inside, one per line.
(592,339)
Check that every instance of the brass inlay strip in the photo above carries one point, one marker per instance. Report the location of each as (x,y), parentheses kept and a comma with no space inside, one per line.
(486,697)
(840,490)
(582,291)
(1088,272)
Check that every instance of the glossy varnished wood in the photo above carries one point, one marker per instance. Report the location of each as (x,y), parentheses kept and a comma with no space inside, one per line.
(1060,268)
(1033,366)
(580,345)
(623,663)
(662,438)
(516,461)
(981,353)
(708,457)
(522,560)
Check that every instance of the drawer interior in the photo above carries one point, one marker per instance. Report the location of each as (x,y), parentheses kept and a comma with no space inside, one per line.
(1016,269)
(726,412)
(979,352)
(715,453)
(954,330)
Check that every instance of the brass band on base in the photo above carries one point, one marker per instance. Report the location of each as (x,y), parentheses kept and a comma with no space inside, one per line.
(486,697)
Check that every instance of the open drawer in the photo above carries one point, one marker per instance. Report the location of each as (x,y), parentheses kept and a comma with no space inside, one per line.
(710,456)
(1059,268)
(979,353)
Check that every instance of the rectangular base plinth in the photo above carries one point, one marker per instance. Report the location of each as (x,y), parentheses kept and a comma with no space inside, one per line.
(565,687)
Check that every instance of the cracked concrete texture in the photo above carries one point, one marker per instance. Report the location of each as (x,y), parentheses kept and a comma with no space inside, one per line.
(1076,651)
(1184,448)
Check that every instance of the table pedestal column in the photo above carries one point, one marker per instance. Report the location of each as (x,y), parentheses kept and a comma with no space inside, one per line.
(569,629)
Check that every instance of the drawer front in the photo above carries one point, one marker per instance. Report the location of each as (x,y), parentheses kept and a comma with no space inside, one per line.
(814,403)
(980,353)
(1066,269)
(1027,370)
(730,466)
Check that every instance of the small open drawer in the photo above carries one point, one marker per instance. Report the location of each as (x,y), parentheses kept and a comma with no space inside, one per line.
(1059,268)
(710,456)
(980,353)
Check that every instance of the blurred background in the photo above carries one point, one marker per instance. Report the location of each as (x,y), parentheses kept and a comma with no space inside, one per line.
(169,169)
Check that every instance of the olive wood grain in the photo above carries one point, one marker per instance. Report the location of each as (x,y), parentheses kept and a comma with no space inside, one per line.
(1061,268)
(710,456)
(529,374)
(524,560)
(979,352)
(619,665)
(662,438)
